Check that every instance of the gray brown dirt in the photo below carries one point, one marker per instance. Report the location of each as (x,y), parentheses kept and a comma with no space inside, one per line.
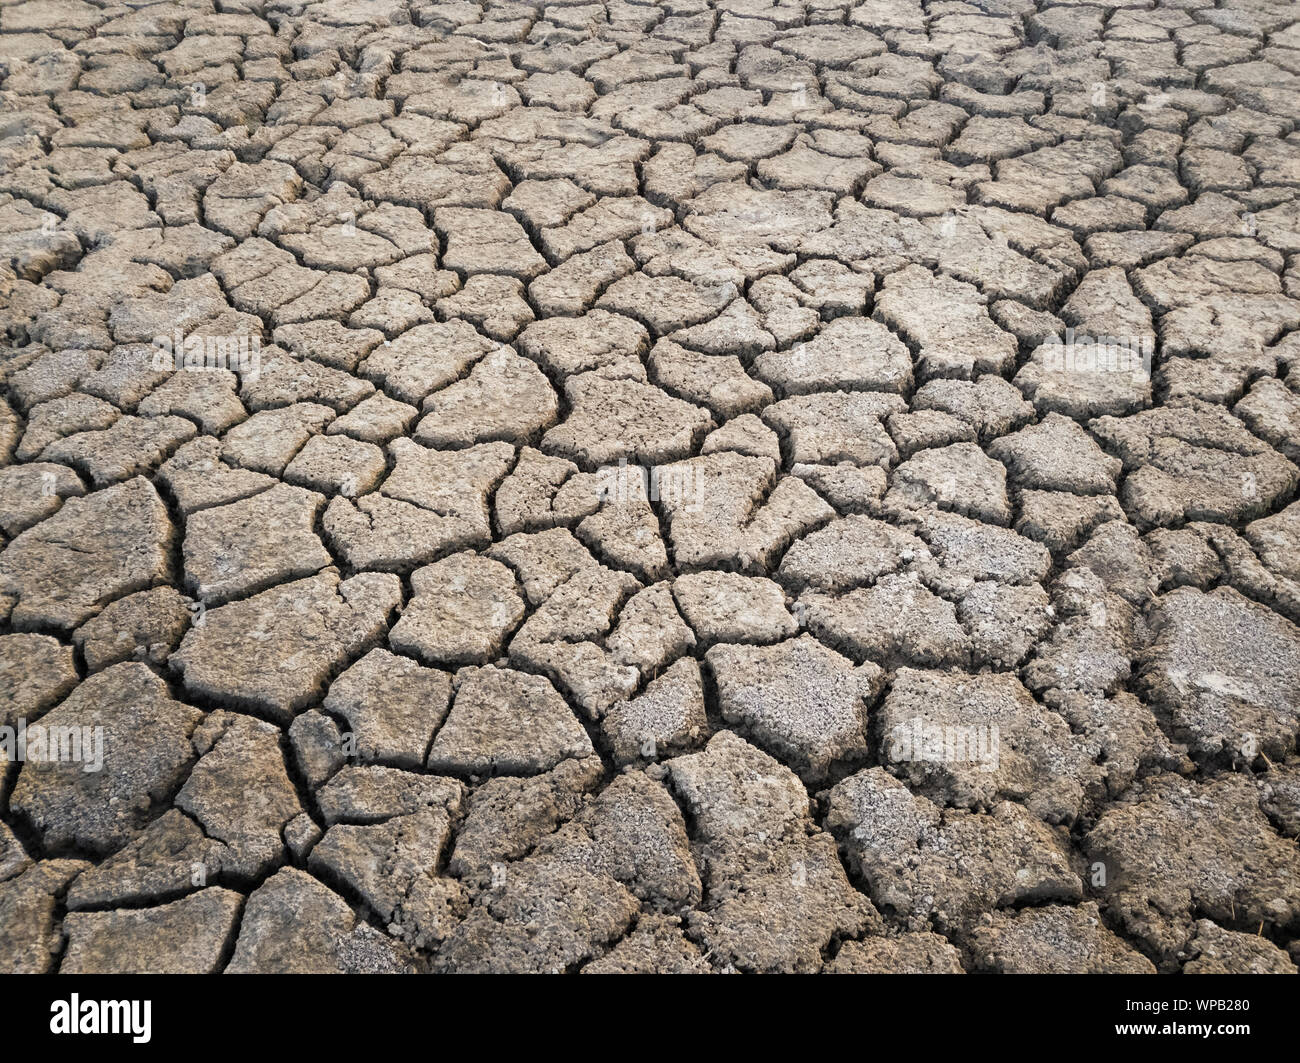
(692,485)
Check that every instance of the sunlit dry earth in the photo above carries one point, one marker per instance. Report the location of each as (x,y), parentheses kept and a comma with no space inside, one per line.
(681,486)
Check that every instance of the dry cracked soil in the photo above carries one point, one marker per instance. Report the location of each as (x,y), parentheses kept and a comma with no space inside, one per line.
(691,486)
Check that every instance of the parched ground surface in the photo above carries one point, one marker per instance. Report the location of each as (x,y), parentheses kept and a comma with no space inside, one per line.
(640,490)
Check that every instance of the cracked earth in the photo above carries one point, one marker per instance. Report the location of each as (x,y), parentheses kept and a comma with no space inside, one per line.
(705,485)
